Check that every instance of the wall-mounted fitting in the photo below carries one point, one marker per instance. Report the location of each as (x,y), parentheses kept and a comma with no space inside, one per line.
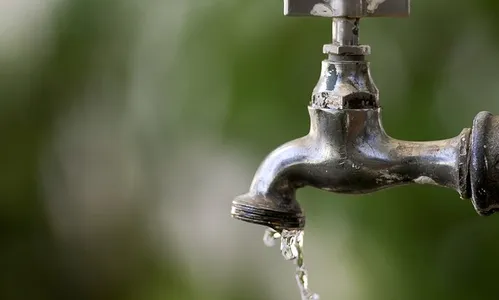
(347,149)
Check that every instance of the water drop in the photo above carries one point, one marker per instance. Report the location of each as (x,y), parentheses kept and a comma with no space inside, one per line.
(292,249)
(270,237)
(290,242)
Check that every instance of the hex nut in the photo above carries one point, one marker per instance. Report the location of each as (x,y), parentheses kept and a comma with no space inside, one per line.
(346,50)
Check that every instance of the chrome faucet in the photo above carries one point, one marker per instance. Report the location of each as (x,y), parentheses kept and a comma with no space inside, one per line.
(347,150)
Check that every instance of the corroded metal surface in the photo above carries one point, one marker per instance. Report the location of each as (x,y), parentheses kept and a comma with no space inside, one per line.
(347,150)
(484,163)
(345,84)
(347,8)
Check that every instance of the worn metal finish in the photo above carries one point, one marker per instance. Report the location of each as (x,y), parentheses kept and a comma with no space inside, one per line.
(345,80)
(345,84)
(347,8)
(345,31)
(347,150)
(345,38)
(484,163)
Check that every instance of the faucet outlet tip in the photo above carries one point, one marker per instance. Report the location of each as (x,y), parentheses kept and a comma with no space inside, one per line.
(253,209)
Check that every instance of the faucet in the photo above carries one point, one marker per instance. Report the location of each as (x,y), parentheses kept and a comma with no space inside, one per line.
(347,150)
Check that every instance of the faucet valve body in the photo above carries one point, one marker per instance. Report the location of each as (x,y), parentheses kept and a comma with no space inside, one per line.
(347,150)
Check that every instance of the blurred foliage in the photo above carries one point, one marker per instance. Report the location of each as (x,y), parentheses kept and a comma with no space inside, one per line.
(261,67)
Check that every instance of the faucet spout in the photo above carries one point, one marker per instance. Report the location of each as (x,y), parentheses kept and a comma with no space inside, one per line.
(347,151)
(271,199)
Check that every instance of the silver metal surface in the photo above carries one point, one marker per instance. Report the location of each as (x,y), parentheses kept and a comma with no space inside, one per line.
(346,50)
(345,31)
(347,151)
(345,84)
(345,38)
(347,8)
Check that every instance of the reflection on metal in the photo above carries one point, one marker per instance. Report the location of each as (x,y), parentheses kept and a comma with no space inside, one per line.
(347,8)
(322,10)
(372,5)
(425,180)
(347,150)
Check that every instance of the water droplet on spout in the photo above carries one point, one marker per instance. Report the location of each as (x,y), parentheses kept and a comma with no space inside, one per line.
(270,236)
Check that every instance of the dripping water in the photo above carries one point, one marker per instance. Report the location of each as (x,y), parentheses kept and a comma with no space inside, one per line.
(292,249)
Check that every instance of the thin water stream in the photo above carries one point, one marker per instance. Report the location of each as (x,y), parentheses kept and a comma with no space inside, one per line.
(292,249)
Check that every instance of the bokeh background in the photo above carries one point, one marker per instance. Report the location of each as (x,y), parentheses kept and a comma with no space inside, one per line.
(128,126)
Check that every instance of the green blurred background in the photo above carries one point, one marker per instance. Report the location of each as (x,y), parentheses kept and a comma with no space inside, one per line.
(127,127)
